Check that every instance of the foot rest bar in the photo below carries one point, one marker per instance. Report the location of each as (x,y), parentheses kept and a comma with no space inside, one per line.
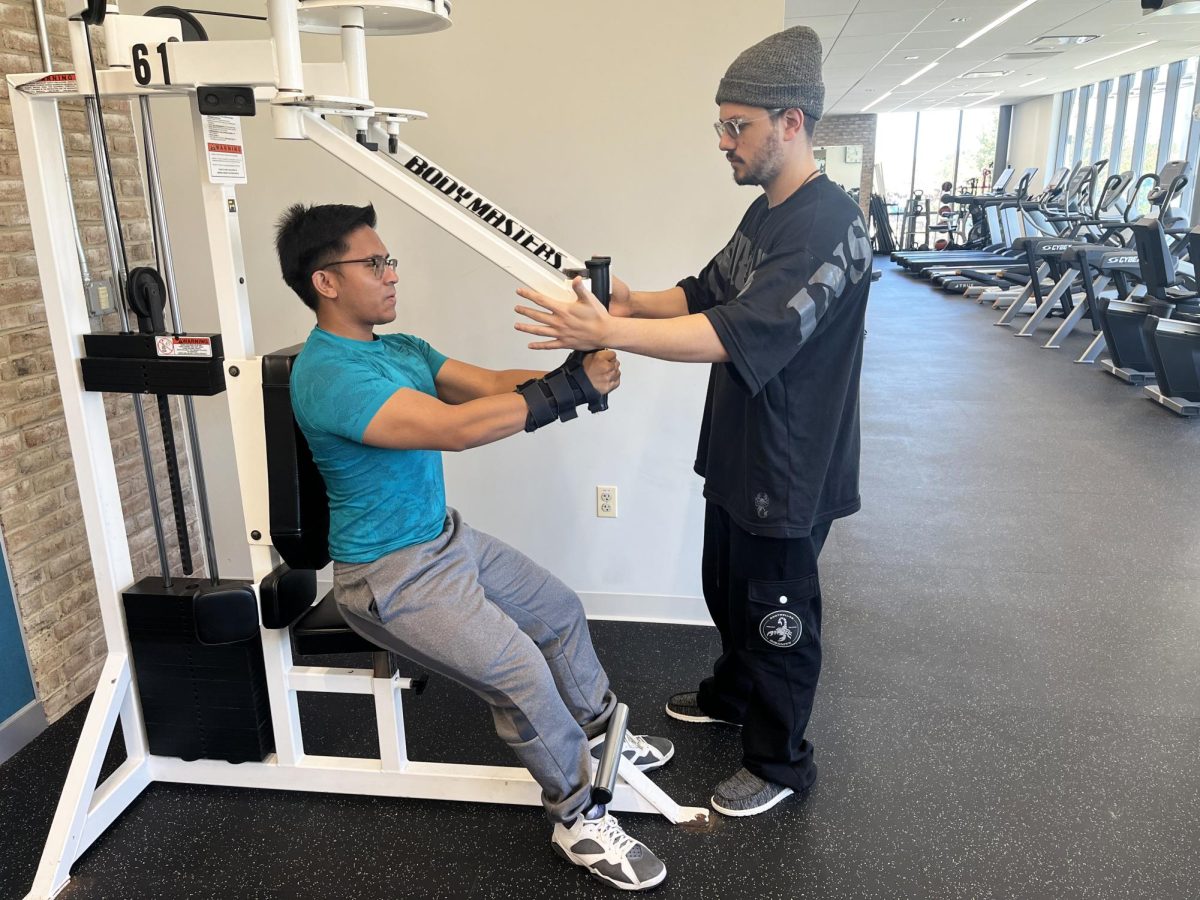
(614,741)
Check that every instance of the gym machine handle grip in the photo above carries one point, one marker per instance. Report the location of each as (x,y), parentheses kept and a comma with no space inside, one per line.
(598,273)
(605,783)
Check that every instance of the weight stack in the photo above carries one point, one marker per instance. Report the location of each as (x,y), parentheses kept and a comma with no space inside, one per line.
(199,701)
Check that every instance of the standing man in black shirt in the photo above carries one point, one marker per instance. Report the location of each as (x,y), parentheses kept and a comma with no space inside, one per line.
(779,312)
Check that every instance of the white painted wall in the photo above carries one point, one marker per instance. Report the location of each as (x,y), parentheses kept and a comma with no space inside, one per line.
(1029,138)
(589,121)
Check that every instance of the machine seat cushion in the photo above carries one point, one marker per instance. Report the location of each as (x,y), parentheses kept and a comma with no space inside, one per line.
(323,630)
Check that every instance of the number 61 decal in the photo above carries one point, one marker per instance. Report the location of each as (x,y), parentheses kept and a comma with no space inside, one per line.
(142,71)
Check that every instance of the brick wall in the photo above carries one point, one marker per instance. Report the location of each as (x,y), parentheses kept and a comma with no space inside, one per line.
(837,131)
(40,514)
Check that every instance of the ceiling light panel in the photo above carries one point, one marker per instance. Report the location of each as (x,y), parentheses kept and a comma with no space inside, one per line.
(876,101)
(913,77)
(996,22)
(1063,40)
(1114,55)
(983,99)
(1026,56)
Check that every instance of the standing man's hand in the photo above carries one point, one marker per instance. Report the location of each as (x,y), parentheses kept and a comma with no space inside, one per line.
(603,370)
(620,303)
(581,324)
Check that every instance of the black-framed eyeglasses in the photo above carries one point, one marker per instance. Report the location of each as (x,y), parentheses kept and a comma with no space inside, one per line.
(733,127)
(379,264)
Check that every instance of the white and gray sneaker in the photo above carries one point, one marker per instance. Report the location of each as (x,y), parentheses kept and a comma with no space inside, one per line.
(644,751)
(745,794)
(602,847)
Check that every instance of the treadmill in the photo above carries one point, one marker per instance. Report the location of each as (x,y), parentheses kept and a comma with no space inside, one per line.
(1019,213)
(979,201)
(1036,216)
(1004,214)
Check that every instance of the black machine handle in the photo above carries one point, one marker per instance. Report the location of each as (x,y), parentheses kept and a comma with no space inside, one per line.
(598,273)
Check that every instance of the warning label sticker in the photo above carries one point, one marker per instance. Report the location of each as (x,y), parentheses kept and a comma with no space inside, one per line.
(182,345)
(224,150)
(57,83)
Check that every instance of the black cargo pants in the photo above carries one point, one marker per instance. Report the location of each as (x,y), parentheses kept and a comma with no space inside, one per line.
(765,598)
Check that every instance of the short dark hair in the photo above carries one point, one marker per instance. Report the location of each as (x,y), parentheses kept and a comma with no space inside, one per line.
(810,124)
(308,237)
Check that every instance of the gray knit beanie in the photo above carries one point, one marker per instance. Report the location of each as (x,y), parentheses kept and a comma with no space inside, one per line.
(782,71)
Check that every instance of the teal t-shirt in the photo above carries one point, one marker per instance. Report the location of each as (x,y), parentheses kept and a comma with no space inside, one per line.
(379,499)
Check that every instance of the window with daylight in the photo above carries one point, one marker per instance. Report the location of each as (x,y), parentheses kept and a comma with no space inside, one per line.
(1139,122)
(921,151)
(1154,122)
(1059,138)
(895,146)
(937,145)
(1185,100)
(1132,114)
(1083,128)
(977,149)
(1104,146)
(1069,139)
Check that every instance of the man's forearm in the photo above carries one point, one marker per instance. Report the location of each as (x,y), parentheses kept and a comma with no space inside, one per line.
(659,304)
(506,380)
(487,420)
(679,339)
(412,420)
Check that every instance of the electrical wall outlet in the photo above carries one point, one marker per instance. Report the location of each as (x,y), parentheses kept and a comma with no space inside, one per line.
(606,501)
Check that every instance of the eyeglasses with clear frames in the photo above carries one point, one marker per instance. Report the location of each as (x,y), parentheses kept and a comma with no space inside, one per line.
(379,264)
(733,127)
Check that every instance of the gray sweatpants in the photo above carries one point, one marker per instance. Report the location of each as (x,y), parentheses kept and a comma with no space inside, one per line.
(470,607)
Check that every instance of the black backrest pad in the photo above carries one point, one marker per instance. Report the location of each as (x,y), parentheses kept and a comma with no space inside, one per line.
(299,504)
(1158,266)
(1193,248)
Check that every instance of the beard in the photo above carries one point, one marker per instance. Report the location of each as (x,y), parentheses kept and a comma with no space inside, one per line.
(765,167)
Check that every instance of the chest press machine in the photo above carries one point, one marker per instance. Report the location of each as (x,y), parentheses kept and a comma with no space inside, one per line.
(253,624)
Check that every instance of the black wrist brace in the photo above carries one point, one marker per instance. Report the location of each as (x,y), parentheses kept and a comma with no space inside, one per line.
(556,394)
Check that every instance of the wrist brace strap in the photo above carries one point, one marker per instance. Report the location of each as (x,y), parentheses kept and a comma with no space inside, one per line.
(556,394)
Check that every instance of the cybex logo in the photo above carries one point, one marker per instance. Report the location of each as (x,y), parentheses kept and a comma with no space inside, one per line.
(1120,260)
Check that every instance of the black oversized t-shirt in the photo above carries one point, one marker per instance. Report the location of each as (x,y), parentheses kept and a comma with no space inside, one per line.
(779,444)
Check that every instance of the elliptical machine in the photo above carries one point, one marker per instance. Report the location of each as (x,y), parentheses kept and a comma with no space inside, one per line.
(1174,345)
(1122,321)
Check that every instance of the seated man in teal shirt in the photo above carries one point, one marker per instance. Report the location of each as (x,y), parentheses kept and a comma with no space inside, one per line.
(377,412)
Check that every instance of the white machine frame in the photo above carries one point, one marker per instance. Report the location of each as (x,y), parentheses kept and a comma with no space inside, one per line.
(276,71)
